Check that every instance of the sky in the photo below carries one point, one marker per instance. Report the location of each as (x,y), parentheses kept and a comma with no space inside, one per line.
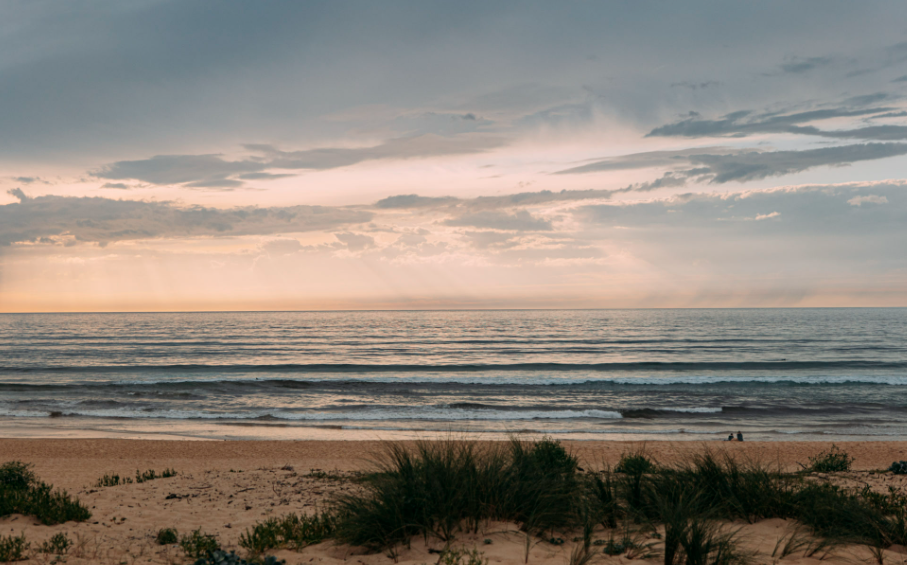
(223,155)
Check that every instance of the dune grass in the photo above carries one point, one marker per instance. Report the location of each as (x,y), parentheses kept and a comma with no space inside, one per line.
(438,489)
(22,493)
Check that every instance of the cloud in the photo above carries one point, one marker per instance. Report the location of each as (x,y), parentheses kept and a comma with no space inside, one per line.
(797,65)
(116,185)
(747,164)
(696,85)
(408,201)
(105,220)
(427,145)
(178,169)
(744,123)
(810,211)
(868,199)
(213,171)
(355,241)
(519,221)
(17,193)
(649,159)
(753,166)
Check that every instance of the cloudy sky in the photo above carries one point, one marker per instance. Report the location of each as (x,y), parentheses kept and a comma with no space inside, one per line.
(219,155)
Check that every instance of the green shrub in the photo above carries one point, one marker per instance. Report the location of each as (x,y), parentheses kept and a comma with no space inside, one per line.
(166,536)
(219,557)
(16,475)
(58,544)
(634,464)
(831,461)
(150,475)
(198,544)
(112,481)
(293,531)
(13,548)
(456,557)
(40,501)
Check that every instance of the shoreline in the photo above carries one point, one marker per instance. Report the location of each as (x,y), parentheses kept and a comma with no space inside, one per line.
(238,430)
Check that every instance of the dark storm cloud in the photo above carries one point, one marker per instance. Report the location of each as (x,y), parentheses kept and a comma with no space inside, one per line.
(105,220)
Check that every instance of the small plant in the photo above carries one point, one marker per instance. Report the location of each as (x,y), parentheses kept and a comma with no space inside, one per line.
(831,461)
(293,530)
(58,544)
(456,556)
(898,468)
(112,480)
(13,548)
(16,475)
(219,557)
(198,544)
(166,536)
(634,464)
(151,474)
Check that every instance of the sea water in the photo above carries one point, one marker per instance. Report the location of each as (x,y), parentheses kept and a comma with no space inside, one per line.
(585,374)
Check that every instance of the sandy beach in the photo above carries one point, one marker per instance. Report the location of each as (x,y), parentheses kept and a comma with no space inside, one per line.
(226,487)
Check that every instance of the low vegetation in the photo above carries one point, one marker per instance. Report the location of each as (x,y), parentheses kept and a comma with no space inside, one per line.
(223,558)
(22,493)
(832,461)
(167,536)
(113,479)
(13,548)
(291,531)
(57,545)
(199,545)
(439,489)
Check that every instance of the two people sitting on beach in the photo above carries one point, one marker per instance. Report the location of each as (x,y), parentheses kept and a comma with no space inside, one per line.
(730,437)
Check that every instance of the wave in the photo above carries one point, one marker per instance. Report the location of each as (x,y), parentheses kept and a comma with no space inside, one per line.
(180,387)
(427,413)
(656,366)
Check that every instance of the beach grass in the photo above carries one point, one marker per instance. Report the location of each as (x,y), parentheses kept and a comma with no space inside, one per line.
(439,489)
(22,493)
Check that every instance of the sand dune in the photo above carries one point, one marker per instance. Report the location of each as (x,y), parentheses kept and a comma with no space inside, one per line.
(226,487)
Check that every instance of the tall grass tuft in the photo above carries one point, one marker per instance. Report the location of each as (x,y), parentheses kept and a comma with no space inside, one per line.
(440,488)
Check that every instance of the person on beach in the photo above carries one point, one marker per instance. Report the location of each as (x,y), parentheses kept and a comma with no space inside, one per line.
(739,436)
(730,436)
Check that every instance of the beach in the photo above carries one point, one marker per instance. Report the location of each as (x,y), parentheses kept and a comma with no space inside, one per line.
(225,487)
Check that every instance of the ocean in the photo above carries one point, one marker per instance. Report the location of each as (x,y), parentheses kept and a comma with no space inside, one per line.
(583,374)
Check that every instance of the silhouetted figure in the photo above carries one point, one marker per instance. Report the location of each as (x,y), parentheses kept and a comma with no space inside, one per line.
(730,437)
(739,436)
